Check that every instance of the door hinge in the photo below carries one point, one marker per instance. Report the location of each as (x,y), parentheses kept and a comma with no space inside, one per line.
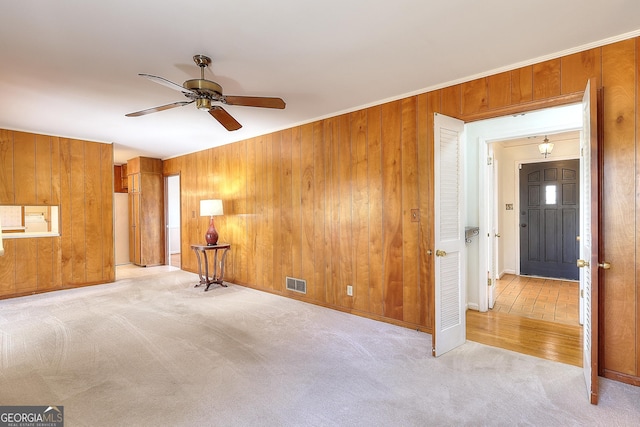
(489,281)
(581,293)
(489,161)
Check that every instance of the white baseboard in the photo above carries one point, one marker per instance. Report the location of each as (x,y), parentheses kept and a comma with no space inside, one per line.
(506,272)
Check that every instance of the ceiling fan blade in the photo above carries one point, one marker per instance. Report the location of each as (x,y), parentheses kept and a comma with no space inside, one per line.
(255,101)
(160,108)
(165,82)
(225,119)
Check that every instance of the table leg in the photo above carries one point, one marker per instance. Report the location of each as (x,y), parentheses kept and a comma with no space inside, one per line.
(199,267)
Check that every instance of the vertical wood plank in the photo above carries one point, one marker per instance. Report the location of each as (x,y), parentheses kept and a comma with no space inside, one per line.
(499,89)
(43,170)
(376,241)
(92,200)
(578,68)
(7,189)
(78,209)
(237,173)
(26,265)
(546,79)
(475,96)
(55,170)
(45,276)
(522,85)
(57,262)
(276,199)
(66,229)
(8,268)
(106,212)
(344,177)
(452,101)
(251,211)
(267,201)
(392,209)
(261,211)
(411,298)
(331,135)
(307,198)
(618,198)
(321,246)
(360,228)
(24,168)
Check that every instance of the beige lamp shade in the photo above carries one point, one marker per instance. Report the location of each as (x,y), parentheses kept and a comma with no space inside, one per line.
(211,207)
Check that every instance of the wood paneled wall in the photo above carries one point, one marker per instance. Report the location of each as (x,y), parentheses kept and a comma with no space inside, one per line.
(327,202)
(78,177)
(330,202)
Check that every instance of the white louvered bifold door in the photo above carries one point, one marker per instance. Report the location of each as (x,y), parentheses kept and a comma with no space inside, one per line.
(449,331)
(588,239)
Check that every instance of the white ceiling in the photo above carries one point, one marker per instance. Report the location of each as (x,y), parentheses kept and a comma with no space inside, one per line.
(69,67)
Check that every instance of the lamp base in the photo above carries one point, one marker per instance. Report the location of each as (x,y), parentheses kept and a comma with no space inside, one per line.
(211,237)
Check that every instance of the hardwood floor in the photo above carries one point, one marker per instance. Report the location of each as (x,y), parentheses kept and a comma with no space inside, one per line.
(548,340)
(533,316)
(175,260)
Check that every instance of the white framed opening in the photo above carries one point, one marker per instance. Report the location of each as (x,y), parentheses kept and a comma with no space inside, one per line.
(480,186)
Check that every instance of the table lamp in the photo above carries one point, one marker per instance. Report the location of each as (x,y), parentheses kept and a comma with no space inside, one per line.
(210,208)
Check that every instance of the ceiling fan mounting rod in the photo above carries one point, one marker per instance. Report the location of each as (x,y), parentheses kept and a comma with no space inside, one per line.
(202,61)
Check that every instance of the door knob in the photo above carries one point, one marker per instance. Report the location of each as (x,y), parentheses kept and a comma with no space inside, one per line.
(582,263)
(429,252)
(497,234)
(440,253)
(604,265)
(523,225)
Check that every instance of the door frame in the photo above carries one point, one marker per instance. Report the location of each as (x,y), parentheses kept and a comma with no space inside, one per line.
(546,121)
(167,207)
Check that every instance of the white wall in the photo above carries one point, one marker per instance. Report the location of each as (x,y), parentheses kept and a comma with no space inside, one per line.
(173,214)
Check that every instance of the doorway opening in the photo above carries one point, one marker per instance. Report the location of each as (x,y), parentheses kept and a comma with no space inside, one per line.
(172,215)
(501,291)
(536,272)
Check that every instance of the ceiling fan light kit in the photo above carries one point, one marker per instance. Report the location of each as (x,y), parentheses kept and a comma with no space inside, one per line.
(204,92)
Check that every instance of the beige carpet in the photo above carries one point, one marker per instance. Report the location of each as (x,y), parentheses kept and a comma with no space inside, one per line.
(154,350)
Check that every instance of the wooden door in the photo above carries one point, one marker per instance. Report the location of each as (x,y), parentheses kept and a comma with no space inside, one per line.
(134,228)
(549,219)
(450,293)
(151,219)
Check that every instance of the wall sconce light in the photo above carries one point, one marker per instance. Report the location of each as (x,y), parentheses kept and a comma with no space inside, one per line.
(546,147)
(210,208)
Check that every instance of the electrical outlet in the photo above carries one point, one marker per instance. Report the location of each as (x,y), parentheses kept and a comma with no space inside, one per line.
(350,290)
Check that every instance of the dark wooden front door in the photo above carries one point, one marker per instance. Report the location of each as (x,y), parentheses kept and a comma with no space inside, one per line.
(549,219)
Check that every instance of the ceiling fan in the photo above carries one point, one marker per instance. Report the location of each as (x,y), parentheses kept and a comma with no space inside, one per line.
(204,93)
